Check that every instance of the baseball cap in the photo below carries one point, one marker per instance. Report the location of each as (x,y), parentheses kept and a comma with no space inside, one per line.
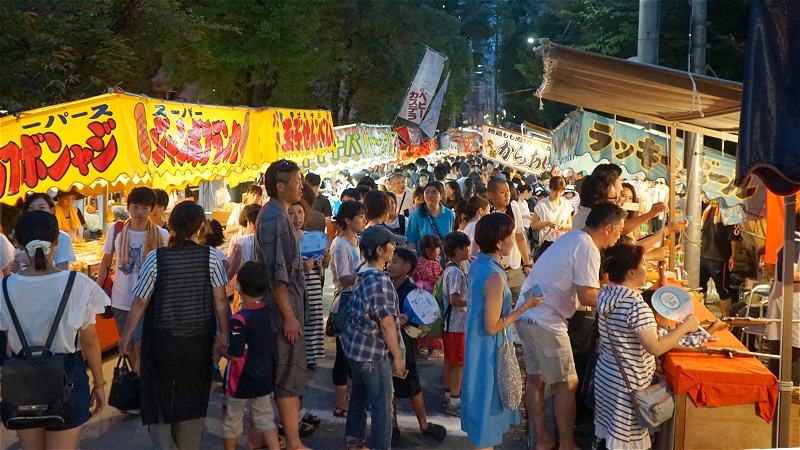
(378,236)
(451,177)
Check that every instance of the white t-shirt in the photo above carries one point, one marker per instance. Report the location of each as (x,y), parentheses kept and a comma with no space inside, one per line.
(548,212)
(514,260)
(126,275)
(525,211)
(6,251)
(65,252)
(573,260)
(247,244)
(344,260)
(579,220)
(233,219)
(455,282)
(405,204)
(36,300)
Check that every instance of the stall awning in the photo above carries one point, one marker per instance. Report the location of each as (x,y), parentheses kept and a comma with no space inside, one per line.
(640,91)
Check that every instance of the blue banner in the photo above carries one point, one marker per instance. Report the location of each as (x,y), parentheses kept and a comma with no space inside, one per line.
(639,150)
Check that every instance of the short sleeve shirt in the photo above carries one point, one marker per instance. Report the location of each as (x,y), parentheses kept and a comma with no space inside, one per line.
(278,248)
(344,260)
(374,298)
(572,261)
(455,282)
(323,205)
(146,283)
(35,301)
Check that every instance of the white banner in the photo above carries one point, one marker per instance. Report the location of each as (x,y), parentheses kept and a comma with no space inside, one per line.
(524,153)
(428,126)
(423,86)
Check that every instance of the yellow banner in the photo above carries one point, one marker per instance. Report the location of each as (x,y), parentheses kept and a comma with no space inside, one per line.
(297,134)
(116,138)
(58,146)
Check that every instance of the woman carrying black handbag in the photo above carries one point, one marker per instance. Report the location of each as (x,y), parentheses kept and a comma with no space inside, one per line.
(35,296)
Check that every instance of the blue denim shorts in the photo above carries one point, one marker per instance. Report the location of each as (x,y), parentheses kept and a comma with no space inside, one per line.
(81,396)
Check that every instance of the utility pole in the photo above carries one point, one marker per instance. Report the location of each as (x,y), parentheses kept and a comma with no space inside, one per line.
(693,151)
(649,25)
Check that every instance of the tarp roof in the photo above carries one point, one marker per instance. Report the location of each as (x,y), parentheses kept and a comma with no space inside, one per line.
(655,94)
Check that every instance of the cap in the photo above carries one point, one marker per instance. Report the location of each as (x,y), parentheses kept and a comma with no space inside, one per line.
(540,190)
(570,188)
(378,236)
(451,177)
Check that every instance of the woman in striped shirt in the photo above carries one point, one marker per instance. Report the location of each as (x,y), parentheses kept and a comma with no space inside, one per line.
(181,293)
(625,318)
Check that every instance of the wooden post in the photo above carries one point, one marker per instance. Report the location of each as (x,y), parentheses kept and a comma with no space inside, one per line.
(673,175)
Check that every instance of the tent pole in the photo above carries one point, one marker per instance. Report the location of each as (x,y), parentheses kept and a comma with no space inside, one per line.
(785,383)
(673,162)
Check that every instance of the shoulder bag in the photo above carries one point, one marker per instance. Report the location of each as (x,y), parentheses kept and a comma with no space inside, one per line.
(654,404)
(36,389)
(424,212)
(509,378)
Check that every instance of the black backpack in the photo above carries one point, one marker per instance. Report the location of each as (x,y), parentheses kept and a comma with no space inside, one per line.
(36,390)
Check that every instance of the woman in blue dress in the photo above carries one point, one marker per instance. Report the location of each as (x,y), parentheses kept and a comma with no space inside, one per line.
(483,417)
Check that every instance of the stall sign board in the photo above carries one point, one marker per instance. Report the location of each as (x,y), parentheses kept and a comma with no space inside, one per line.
(525,153)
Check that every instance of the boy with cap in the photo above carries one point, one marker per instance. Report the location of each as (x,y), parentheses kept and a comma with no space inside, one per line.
(372,333)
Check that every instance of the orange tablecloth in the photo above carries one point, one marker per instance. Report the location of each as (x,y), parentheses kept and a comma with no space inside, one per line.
(715,380)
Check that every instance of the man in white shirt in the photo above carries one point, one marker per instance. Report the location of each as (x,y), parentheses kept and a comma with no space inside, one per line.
(131,243)
(518,264)
(568,275)
(405,200)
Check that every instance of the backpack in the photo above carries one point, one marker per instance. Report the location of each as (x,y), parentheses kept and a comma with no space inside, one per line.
(36,389)
(437,328)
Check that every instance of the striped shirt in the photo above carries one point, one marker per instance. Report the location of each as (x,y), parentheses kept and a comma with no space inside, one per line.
(622,313)
(149,271)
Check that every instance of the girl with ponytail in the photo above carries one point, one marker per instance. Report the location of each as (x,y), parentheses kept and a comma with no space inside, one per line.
(35,294)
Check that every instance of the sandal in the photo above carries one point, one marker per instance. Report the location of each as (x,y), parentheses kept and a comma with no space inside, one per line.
(311,419)
(306,429)
(435,431)
(339,412)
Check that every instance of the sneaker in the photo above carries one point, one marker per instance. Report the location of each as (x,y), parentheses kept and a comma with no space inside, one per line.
(453,410)
(445,402)
(133,412)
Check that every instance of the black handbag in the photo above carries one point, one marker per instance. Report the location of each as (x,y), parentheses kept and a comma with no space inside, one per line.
(36,389)
(124,393)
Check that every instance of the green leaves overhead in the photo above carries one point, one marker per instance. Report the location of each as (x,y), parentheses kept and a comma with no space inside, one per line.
(355,57)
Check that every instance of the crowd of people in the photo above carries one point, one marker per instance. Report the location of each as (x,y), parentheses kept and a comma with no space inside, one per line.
(506,250)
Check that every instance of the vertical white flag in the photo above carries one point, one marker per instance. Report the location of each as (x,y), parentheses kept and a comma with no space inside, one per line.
(422,86)
(428,126)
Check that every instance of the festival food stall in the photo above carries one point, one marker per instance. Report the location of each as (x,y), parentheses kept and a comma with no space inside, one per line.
(720,402)
(116,141)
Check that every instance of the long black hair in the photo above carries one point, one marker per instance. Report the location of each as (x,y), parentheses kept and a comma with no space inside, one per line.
(41,226)
(185,220)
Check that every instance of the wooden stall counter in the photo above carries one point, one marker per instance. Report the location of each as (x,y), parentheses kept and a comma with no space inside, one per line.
(720,402)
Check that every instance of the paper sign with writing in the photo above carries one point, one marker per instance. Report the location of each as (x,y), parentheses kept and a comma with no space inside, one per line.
(525,153)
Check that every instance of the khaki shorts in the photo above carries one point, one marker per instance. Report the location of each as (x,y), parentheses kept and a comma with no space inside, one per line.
(261,411)
(546,354)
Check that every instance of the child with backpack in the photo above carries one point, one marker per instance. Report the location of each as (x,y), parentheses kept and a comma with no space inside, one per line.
(426,275)
(249,377)
(404,261)
(454,300)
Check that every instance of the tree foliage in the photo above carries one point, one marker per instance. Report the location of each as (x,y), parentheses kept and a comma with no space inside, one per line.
(356,57)
(610,27)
